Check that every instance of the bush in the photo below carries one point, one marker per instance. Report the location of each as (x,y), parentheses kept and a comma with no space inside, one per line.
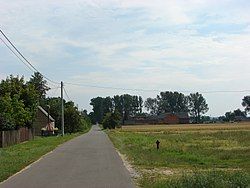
(111,120)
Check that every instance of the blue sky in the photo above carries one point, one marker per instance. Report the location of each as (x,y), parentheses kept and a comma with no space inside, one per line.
(163,45)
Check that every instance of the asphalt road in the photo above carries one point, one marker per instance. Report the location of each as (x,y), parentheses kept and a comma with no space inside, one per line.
(88,161)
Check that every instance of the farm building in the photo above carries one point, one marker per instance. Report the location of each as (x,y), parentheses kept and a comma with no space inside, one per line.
(164,118)
(42,120)
(173,118)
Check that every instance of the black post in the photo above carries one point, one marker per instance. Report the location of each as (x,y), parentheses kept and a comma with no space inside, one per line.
(157,144)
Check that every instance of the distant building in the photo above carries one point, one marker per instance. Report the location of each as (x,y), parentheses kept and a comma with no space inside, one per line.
(41,121)
(240,118)
(164,118)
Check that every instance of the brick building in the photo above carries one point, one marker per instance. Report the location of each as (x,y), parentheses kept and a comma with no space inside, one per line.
(164,118)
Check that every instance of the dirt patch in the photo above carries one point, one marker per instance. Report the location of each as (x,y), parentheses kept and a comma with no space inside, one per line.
(159,171)
(133,172)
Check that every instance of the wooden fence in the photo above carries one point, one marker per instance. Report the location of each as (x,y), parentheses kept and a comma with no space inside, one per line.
(8,138)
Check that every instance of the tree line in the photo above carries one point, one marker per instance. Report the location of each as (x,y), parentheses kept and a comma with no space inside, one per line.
(19,100)
(126,105)
(233,115)
(132,105)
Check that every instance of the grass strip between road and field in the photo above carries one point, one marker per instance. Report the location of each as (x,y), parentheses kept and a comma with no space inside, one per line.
(16,157)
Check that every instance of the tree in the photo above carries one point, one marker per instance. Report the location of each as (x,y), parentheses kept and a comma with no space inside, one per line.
(140,100)
(246,103)
(107,105)
(197,105)
(40,84)
(18,103)
(127,106)
(172,102)
(151,105)
(7,121)
(111,120)
(74,120)
(229,116)
(98,111)
(238,112)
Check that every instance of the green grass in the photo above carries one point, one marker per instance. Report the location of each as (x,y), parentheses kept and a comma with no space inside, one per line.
(209,179)
(186,151)
(15,158)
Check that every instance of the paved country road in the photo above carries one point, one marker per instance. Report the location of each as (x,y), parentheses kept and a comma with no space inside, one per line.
(89,160)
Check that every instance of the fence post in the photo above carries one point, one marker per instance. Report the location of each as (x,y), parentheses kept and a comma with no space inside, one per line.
(3,144)
(1,139)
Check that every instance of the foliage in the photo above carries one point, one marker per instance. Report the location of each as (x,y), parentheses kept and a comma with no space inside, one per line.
(18,102)
(151,105)
(172,102)
(197,106)
(98,110)
(246,103)
(111,120)
(231,116)
(127,105)
(74,120)
(40,84)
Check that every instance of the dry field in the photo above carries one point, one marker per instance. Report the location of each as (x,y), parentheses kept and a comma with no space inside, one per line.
(189,127)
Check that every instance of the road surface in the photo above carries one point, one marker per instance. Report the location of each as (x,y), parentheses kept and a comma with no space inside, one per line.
(88,161)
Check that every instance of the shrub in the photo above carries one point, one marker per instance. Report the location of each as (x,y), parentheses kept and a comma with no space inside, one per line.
(111,120)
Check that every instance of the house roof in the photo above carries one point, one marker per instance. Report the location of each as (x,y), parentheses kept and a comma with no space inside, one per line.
(45,113)
(180,115)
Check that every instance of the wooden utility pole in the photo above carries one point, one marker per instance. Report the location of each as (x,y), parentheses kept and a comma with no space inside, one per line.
(62,108)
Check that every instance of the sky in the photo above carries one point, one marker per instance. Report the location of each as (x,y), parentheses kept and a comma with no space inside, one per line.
(187,46)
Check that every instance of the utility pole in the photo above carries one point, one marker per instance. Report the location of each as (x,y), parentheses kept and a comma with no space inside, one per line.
(62,109)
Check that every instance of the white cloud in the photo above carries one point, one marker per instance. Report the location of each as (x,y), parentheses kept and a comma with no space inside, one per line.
(132,44)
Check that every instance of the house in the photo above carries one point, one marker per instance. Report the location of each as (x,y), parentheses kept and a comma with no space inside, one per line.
(173,118)
(43,119)
(164,118)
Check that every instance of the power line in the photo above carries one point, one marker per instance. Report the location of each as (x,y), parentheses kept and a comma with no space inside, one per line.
(112,88)
(66,94)
(55,90)
(32,68)
(36,70)
(15,54)
(153,90)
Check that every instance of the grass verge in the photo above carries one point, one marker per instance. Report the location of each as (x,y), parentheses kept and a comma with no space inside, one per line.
(15,158)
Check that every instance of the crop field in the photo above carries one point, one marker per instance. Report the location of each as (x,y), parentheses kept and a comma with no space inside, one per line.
(212,155)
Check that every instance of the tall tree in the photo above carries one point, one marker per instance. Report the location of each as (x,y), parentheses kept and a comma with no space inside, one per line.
(238,112)
(151,105)
(18,102)
(98,110)
(74,120)
(140,104)
(197,105)
(107,105)
(172,102)
(246,103)
(229,116)
(40,84)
